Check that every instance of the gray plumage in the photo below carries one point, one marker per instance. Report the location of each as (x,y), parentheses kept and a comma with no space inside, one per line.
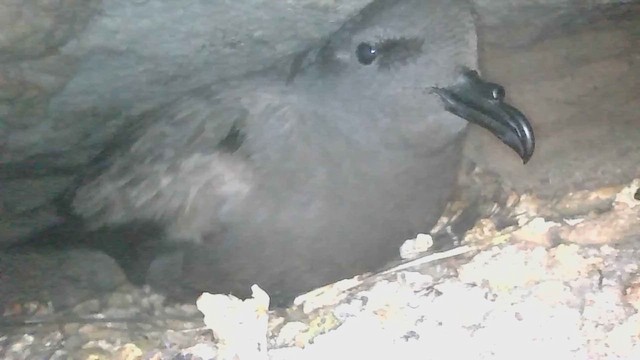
(294,179)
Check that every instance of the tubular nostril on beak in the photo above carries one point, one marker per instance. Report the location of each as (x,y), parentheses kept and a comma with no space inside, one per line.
(498,93)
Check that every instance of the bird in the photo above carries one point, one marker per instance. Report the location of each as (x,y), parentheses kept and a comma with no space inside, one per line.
(316,168)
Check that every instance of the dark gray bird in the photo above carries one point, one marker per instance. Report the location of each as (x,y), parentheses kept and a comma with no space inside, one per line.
(294,179)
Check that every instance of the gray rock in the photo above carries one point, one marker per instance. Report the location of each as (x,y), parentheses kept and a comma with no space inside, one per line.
(65,278)
(516,24)
(35,28)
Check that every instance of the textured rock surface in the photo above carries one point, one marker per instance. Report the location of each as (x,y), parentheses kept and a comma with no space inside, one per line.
(63,278)
(37,28)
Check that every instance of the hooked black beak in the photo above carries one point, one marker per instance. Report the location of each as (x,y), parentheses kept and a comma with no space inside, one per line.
(482,103)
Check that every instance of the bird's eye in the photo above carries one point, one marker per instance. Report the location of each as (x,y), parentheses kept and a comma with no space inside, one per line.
(498,93)
(366,53)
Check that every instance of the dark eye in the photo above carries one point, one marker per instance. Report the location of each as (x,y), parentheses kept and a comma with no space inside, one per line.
(497,93)
(366,53)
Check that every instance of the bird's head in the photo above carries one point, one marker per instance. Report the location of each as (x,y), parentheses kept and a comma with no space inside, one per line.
(408,67)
